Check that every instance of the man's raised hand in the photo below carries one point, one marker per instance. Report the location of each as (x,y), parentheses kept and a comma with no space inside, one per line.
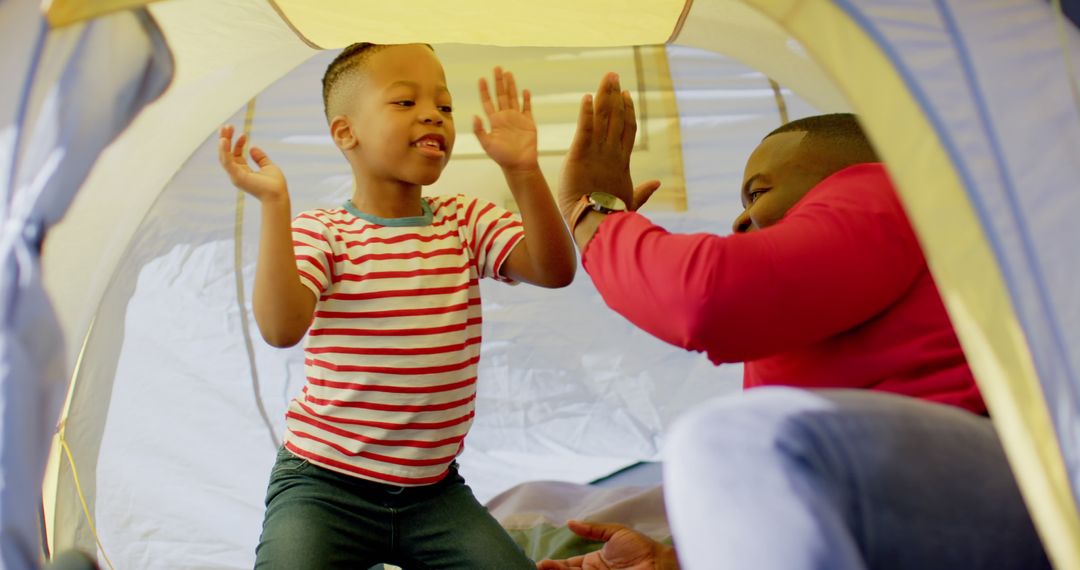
(599,157)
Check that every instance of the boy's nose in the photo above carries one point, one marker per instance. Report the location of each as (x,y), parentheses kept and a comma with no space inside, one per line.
(431,118)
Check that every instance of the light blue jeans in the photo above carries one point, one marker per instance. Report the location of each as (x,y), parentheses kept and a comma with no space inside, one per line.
(788,479)
(321,519)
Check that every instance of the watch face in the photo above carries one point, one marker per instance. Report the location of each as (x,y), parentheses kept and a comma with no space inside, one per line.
(605,200)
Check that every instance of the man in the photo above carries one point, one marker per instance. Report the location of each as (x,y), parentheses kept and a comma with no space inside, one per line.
(865,442)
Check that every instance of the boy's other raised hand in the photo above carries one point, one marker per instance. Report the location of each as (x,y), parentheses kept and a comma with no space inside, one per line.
(512,140)
(265,184)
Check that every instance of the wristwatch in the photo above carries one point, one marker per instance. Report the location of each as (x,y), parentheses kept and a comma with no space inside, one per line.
(597,201)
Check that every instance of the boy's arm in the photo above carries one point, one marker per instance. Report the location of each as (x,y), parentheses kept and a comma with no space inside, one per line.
(545,256)
(283,305)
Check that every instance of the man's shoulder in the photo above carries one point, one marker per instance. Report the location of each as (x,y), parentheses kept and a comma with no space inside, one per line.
(865,186)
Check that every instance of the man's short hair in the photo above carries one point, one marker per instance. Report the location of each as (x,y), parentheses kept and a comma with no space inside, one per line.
(347,66)
(838,133)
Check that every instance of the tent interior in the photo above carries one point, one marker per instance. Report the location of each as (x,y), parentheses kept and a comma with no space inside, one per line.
(174,404)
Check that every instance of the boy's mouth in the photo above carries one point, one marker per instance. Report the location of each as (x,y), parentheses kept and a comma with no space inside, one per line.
(432,145)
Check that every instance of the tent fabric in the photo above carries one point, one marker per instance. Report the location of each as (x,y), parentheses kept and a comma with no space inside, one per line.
(970,102)
(68,110)
(543,411)
(943,114)
(337,23)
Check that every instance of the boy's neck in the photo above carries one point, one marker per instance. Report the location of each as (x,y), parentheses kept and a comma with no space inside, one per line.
(387,200)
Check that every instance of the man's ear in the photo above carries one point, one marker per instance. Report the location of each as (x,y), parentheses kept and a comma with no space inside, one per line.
(342,132)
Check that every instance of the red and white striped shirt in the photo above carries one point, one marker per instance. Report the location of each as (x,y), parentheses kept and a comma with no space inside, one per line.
(392,353)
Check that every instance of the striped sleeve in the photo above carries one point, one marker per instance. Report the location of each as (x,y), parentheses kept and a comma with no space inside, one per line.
(312,245)
(492,232)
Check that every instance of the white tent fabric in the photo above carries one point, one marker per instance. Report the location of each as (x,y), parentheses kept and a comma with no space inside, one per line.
(972,65)
(82,86)
(170,351)
(973,104)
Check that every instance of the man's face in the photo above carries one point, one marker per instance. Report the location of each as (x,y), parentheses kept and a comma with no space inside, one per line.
(778,174)
(402,116)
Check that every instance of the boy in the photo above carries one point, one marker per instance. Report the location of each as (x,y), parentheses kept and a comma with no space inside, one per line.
(388,285)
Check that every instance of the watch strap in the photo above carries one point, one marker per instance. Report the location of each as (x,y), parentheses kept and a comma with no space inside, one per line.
(582,207)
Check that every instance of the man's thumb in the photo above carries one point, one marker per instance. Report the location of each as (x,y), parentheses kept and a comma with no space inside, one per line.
(643,191)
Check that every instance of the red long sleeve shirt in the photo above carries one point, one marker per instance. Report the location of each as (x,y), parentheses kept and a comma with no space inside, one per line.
(836,295)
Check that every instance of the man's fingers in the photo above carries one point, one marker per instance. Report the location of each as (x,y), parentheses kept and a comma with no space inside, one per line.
(584,134)
(602,116)
(630,123)
(594,531)
(617,115)
(643,191)
(574,563)
(485,98)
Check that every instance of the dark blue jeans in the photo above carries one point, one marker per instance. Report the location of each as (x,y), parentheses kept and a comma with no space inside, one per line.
(317,518)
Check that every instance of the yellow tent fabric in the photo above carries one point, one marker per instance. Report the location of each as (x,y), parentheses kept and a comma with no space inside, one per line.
(814,47)
(956,249)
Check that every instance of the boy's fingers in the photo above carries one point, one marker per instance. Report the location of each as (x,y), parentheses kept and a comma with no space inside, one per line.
(238,149)
(478,129)
(485,98)
(260,157)
(630,123)
(526,104)
(500,88)
(511,90)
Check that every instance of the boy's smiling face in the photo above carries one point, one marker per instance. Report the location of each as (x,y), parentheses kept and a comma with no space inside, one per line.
(400,124)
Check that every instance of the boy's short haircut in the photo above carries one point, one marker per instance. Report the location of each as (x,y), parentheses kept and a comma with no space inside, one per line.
(836,131)
(346,66)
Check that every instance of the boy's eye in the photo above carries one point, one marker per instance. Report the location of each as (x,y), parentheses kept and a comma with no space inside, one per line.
(754,195)
(405,103)
(446,108)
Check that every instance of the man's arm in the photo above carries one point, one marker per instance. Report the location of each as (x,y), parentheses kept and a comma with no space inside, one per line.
(283,305)
(825,269)
(835,261)
(545,256)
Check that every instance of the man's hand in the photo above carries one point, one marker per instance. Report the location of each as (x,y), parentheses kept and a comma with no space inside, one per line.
(599,157)
(512,140)
(624,549)
(266,184)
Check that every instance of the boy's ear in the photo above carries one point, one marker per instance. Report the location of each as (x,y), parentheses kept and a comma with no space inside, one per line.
(342,132)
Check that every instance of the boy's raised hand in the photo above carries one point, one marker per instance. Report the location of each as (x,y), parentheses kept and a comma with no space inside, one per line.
(512,139)
(267,183)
